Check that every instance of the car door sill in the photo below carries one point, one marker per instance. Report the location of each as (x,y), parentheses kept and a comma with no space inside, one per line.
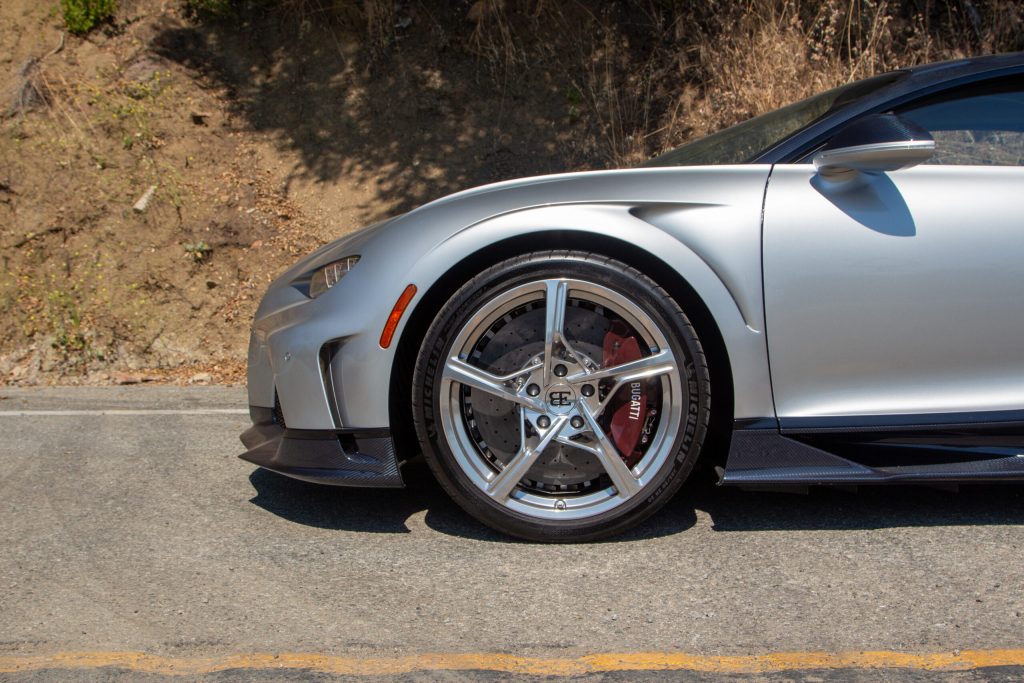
(896,449)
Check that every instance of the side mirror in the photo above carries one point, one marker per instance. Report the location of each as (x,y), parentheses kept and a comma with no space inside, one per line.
(874,144)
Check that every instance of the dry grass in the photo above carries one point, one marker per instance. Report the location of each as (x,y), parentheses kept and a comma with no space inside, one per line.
(493,38)
(650,75)
(768,54)
(381,19)
(641,76)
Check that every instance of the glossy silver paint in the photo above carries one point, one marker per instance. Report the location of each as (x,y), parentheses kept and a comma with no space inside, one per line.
(895,293)
(703,222)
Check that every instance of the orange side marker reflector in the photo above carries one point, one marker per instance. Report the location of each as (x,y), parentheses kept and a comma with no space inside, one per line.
(396,314)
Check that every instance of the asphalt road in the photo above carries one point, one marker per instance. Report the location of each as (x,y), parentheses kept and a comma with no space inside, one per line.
(141,531)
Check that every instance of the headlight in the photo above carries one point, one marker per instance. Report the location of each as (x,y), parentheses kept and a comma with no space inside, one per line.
(329,275)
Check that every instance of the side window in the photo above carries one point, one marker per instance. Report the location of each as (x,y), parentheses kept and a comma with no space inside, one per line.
(976,126)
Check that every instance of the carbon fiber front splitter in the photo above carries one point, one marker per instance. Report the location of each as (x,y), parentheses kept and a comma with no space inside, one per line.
(341,458)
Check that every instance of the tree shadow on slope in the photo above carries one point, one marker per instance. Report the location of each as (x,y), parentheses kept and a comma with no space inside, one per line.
(423,120)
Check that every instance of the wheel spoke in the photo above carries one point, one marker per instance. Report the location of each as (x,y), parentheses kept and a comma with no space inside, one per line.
(518,373)
(556,302)
(655,365)
(660,363)
(504,482)
(462,372)
(577,444)
(556,295)
(621,475)
(580,360)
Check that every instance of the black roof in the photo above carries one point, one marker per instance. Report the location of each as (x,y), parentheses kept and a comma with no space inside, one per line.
(961,67)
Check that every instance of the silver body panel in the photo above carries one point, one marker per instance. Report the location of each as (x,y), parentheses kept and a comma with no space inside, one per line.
(703,222)
(895,294)
(887,294)
(869,306)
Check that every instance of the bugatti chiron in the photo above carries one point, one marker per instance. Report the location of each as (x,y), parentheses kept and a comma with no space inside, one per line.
(830,293)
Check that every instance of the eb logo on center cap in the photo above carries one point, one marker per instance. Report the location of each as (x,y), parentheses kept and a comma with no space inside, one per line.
(559,399)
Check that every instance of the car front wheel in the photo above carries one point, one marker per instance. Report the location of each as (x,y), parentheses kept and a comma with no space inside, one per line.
(561,396)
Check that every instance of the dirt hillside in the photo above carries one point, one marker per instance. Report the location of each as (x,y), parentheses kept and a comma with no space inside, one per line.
(265,129)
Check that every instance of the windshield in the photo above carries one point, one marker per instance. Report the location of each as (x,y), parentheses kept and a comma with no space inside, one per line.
(743,142)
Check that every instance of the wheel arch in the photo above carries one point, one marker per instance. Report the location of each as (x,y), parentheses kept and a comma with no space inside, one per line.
(438,293)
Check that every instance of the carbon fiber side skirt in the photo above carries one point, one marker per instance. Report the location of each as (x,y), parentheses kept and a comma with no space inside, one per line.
(878,450)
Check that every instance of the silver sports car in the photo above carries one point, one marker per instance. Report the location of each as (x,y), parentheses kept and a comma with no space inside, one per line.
(831,293)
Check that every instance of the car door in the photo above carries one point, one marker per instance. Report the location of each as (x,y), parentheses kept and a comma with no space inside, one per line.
(902,293)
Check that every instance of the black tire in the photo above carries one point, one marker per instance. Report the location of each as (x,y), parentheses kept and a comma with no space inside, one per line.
(644,293)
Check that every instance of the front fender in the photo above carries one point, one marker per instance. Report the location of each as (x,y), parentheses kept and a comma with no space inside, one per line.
(714,246)
(704,223)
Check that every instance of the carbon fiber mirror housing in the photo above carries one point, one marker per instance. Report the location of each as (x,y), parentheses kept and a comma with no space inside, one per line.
(874,144)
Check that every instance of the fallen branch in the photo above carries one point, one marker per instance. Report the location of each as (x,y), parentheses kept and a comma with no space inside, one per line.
(35,235)
(60,46)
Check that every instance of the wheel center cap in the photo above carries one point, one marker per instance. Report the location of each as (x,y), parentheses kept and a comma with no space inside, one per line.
(560,399)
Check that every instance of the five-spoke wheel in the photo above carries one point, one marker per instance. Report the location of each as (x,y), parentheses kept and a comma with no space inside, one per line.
(561,396)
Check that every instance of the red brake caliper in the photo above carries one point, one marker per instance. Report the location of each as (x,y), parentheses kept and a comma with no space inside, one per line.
(629,406)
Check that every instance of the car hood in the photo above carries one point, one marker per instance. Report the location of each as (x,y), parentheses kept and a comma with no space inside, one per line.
(651,194)
(642,189)
(461,210)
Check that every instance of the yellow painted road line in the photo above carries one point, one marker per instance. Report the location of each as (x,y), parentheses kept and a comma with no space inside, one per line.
(539,666)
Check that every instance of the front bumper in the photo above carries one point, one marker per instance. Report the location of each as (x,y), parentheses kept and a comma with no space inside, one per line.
(320,359)
(338,457)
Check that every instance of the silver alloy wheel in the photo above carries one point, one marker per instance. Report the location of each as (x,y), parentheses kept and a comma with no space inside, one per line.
(558,393)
